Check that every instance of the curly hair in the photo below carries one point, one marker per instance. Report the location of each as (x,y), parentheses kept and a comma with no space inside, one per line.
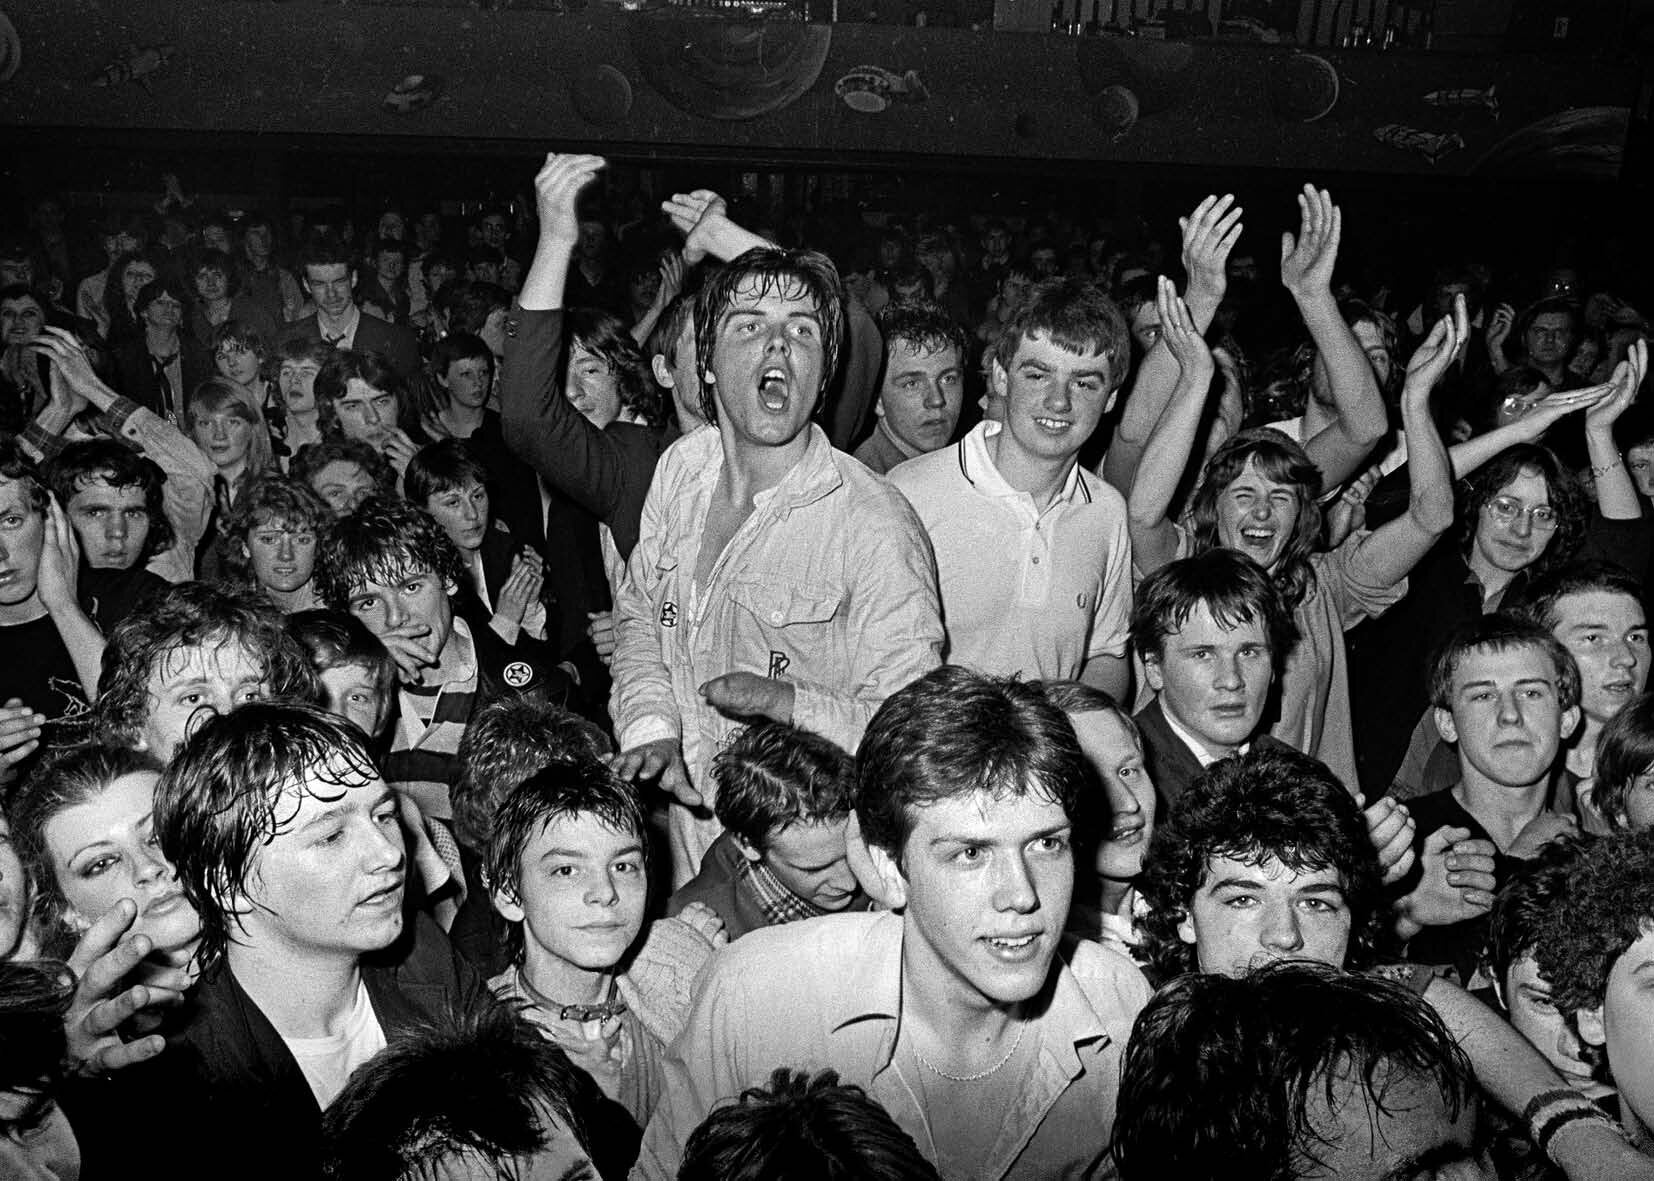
(109,461)
(1609,906)
(1535,891)
(193,615)
(274,500)
(843,1134)
(382,542)
(1279,459)
(313,457)
(1271,803)
(508,741)
(1567,498)
(774,775)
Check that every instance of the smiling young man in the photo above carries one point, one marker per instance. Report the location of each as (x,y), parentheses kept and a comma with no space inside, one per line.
(1031,549)
(289,844)
(922,387)
(989,1039)
(1212,631)
(773,576)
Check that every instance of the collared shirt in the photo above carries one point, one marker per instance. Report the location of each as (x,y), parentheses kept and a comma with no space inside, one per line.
(826,993)
(829,585)
(342,333)
(882,450)
(1031,589)
(1197,748)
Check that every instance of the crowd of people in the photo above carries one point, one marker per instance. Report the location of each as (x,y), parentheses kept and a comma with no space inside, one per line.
(968,702)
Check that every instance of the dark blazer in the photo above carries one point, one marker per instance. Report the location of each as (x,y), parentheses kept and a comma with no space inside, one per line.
(135,376)
(395,343)
(1171,764)
(227,1071)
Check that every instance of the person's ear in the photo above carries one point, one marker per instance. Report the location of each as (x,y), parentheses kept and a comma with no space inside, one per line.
(998,379)
(1445,726)
(876,871)
(1570,722)
(662,371)
(1153,674)
(878,407)
(507,905)
(441,379)
(1186,929)
(1592,1030)
(747,851)
(450,588)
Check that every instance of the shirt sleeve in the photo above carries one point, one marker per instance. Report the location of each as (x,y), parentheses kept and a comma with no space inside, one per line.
(1358,592)
(894,624)
(642,705)
(186,497)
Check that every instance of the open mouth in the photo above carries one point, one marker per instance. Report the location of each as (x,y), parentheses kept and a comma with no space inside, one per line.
(1127,834)
(773,390)
(1013,948)
(1054,426)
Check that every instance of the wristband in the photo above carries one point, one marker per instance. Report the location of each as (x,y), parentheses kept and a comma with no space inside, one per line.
(1598,472)
(1548,1112)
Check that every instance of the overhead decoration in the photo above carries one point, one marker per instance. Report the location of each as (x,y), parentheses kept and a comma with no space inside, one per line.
(1581,143)
(1115,110)
(11,49)
(413,93)
(601,94)
(1411,139)
(871,89)
(729,69)
(140,63)
(1466,97)
(1302,87)
(1157,72)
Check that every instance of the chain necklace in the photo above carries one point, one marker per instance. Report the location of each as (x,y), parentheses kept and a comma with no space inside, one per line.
(980,1075)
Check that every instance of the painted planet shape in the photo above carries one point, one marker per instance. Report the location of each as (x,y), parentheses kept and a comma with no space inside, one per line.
(1158,72)
(601,94)
(1302,87)
(413,93)
(1581,142)
(11,49)
(729,69)
(1115,109)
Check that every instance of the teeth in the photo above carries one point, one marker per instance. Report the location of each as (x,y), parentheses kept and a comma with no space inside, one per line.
(1012,943)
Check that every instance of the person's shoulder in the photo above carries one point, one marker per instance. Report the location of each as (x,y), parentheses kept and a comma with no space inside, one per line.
(807,950)
(1113,984)
(927,470)
(1100,496)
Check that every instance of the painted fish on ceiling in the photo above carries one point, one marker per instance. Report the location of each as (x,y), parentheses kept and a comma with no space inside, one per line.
(871,89)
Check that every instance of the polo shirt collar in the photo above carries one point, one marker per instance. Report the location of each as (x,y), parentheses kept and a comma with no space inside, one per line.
(979,470)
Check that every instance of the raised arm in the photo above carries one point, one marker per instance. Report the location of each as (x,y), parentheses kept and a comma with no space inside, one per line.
(1307,263)
(1209,234)
(1166,455)
(1616,495)
(542,427)
(1393,550)
(702,217)
(1466,457)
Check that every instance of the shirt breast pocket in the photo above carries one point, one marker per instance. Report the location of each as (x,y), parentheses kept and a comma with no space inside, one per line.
(780,624)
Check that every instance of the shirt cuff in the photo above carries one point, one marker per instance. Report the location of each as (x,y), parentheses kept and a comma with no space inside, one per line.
(648,729)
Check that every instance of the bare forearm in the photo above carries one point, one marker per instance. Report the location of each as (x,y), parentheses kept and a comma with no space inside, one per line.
(547,276)
(1429,476)
(1616,494)
(1353,388)
(84,642)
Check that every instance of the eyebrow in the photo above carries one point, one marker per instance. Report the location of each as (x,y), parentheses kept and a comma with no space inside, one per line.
(988,838)
(576,854)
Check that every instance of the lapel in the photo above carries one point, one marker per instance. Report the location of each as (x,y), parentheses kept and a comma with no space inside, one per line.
(1172,765)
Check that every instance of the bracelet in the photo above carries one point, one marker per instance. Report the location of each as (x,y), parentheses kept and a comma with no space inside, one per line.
(1618,461)
(1548,1112)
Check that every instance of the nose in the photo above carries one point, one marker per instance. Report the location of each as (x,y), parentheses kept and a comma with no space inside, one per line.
(1622,656)
(1522,525)
(1121,801)
(386,849)
(1510,710)
(220,432)
(840,879)
(602,891)
(284,547)
(933,397)
(151,867)
(1014,886)
(370,413)
(1281,930)
(114,527)
(469,512)
(1228,673)
(395,614)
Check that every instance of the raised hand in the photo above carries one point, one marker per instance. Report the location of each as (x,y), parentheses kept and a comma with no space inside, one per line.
(1209,234)
(105,956)
(1458,879)
(70,365)
(671,278)
(1622,387)
(1307,260)
(1498,328)
(1545,412)
(398,449)
(699,216)
(1431,360)
(1390,829)
(59,560)
(557,189)
(521,589)
(706,922)
(1183,340)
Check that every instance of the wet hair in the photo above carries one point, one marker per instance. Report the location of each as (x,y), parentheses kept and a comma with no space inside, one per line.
(1282,461)
(273,500)
(1608,906)
(235,786)
(313,457)
(108,461)
(923,327)
(1271,803)
(15,465)
(1222,1074)
(802,1127)
(66,777)
(1499,632)
(1540,598)
(1073,314)
(242,333)
(1535,890)
(443,466)
(337,639)
(34,1049)
(1567,498)
(1231,586)
(774,775)
(953,734)
(325,250)
(472,1085)
(663,337)
(561,791)
(382,542)
(604,335)
(507,742)
(193,615)
(335,377)
(220,393)
(1625,751)
(767,271)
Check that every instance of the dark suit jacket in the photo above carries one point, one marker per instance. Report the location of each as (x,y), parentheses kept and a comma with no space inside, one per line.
(1171,764)
(135,376)
(396,344)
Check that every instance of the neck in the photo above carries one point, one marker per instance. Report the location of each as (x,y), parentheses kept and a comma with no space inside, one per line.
(301,993)
(232,472)
(1582,748)
(751,468)
(1493,579)
(1503,809)
(339,323)
(1218,750)
(953,1027)
(557,980)
(27,611)
(288,602)
(1555,374)
(161,340)
(218,310)
(1041,478)
(462,421)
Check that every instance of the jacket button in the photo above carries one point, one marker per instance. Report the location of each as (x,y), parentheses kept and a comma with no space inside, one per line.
(775,617)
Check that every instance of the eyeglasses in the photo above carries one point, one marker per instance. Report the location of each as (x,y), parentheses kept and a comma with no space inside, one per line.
(1506,509)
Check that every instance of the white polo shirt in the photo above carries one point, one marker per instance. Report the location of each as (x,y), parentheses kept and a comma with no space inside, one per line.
(1023,590)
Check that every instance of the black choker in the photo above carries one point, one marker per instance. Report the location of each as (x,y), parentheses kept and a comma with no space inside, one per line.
(605,1011)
